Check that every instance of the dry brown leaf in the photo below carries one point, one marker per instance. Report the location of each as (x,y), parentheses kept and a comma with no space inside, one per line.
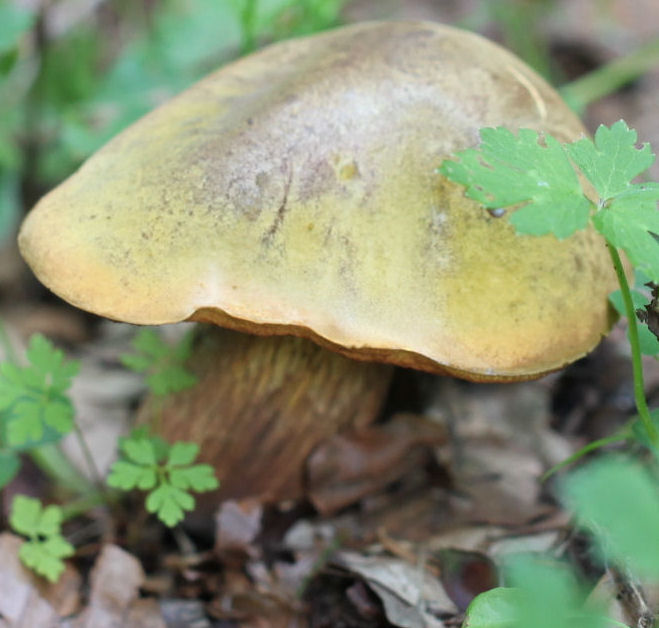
(351,465)
(498,483)
(237,524)
(115,582)
(410,595)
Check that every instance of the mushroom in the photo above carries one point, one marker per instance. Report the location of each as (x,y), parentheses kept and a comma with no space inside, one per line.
(294,194)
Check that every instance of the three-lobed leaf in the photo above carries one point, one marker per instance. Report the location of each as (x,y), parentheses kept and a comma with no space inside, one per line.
(45,547)
(509,169)
(169,503)
(34,398)
(165,471)
(45,557)
(611,160)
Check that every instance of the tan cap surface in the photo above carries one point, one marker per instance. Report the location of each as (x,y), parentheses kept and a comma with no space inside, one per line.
(296,189)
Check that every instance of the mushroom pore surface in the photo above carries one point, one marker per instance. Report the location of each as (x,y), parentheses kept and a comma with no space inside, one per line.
(295,191)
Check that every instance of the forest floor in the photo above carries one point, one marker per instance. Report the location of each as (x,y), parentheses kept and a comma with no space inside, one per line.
(412,553)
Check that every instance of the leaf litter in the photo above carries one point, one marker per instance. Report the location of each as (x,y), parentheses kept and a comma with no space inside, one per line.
(374,558)
(461,480)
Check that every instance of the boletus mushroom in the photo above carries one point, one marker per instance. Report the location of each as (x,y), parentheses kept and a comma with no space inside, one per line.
(294,194)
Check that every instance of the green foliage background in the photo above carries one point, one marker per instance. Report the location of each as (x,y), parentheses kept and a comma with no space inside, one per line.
(70,82)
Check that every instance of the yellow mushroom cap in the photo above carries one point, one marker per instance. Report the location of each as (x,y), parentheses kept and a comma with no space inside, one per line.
(295,191)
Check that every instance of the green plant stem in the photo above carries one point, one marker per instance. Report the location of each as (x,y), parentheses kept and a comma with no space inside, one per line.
(84,504)
(637,364)
(248,23)
(612,76)
(596,444)
(87,454)
(51,460)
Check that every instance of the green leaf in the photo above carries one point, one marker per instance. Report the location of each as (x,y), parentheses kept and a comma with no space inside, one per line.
(153,464)
(629,220)
(10,385)
(140,451)
(170,379)
(58,413)
(33,397)
(162,363)
(45,557)
(45,547)
(127,476)
(25,515)
(509,169)
(199,478)
(135,362)
(50,521)
(149,342)
(160,446)
(27,425)
(496,608)
(169,504)
(25,443)
(544,594)
(10,464)
(182,454)
(618,501)
(612,160)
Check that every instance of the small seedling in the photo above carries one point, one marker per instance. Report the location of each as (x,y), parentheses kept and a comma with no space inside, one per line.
(166,472)
(33,398)
(34,405)
(45,546)
(162,363)
(539,177)
(614,499)
(148,463)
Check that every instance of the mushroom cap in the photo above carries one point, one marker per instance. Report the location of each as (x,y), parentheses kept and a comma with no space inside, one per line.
(295,191)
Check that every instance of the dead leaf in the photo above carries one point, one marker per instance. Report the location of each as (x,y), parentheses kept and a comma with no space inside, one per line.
(411,597)
(115,581)
(464,575)
(237,524)
(184,613)
(351,465)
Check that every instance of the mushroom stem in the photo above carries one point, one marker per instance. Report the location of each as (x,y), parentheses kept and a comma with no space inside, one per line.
(263,404)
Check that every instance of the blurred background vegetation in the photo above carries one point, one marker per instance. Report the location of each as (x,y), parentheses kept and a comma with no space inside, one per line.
(75,72)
